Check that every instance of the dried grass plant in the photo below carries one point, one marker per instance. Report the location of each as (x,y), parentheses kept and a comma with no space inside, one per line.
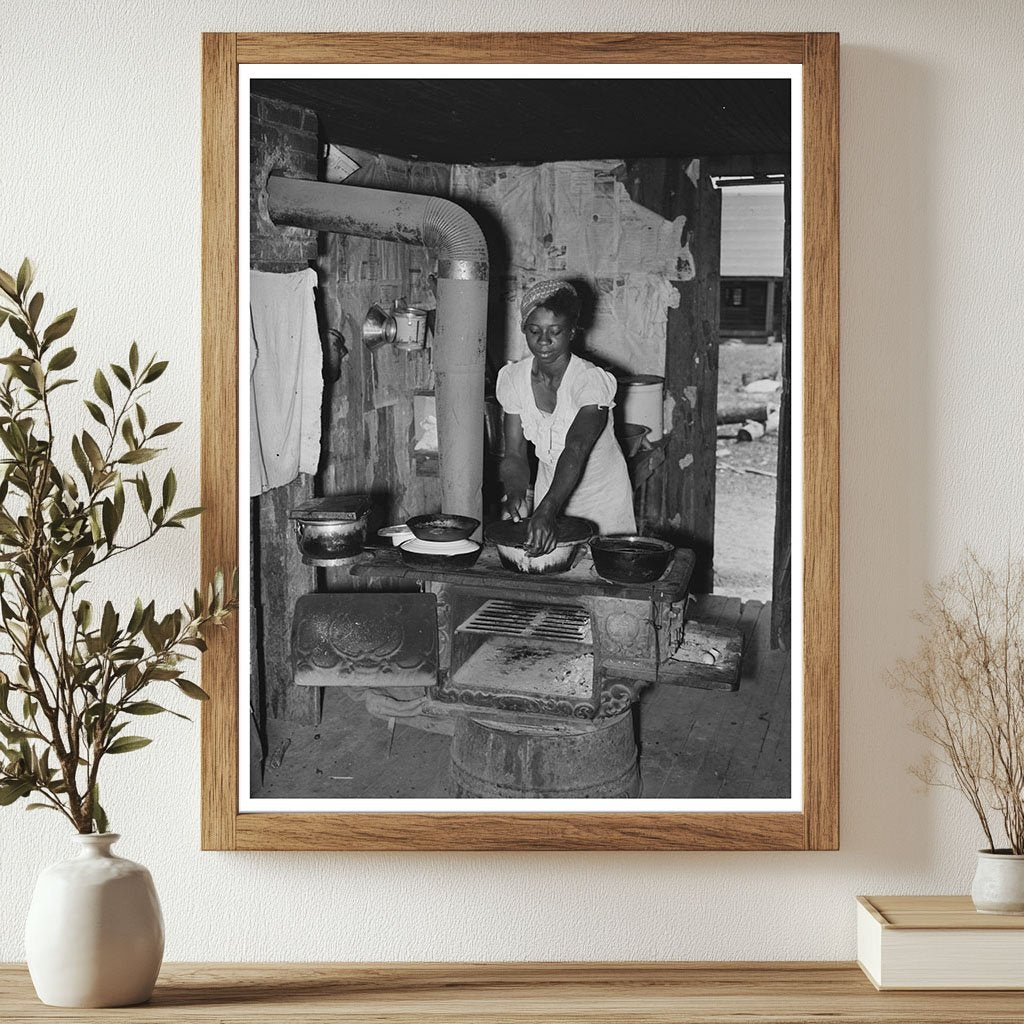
(967,683)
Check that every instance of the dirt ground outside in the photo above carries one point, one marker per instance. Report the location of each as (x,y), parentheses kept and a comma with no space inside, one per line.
(744,493)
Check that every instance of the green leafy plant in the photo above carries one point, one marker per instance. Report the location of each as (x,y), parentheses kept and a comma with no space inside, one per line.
(81,673)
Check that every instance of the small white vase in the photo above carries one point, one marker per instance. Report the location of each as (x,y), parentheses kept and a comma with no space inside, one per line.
(999,882)
(95,934)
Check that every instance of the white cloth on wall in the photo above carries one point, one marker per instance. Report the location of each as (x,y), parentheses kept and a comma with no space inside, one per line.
(285,379)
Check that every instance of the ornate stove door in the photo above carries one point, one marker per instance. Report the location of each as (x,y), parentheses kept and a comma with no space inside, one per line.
(367,640)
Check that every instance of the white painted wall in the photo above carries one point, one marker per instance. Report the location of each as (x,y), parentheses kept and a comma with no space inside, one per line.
(99,181)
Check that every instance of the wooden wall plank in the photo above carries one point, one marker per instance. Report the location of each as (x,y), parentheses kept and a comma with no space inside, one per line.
(283,139)
(371,414)
(679,501)
(691,382)
(782,545)
(344,458)
(283,579)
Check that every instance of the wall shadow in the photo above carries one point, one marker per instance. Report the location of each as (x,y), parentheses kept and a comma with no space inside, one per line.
(888,274)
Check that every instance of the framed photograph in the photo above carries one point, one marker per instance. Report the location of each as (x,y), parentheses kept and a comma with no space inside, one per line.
(530,462)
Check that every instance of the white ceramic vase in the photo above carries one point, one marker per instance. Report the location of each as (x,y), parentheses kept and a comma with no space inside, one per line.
(95,934)
(999,883)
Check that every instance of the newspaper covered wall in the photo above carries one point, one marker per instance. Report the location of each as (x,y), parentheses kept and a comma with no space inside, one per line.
(575,220)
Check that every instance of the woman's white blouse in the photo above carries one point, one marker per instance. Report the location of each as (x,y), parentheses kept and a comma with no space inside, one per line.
(603,494)
(582,384)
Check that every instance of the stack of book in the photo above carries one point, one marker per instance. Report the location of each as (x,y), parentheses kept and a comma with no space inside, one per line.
(938,942)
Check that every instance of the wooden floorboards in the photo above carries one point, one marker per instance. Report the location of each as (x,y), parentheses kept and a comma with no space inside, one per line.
(695,744)
(714,744)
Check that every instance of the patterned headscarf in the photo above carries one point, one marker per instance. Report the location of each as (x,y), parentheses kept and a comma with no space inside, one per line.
(538,294)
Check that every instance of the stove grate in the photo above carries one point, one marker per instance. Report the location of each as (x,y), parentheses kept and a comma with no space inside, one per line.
(565,623)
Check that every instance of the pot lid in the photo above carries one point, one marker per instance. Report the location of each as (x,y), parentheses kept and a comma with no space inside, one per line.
(334,508)
(571,530)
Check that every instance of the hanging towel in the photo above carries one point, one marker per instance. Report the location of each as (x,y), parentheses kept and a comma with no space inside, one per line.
(286,379)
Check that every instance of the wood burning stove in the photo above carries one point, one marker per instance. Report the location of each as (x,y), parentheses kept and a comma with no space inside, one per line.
(566,646)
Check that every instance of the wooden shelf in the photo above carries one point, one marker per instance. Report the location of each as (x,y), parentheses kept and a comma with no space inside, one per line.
(658,993)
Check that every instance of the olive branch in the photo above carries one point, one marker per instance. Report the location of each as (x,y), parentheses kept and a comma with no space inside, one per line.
(81,674)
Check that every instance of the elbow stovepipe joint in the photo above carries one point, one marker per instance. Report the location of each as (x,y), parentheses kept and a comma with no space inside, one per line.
(461,318)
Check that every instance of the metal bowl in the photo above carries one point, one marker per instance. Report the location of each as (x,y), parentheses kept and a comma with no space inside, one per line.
(442,526)
(561,559)
(631,437)
(510,540)
(631,559)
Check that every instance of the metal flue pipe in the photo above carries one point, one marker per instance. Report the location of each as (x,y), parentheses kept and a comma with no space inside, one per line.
(461,317)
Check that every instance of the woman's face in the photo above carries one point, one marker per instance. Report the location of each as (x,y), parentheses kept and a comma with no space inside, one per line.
(548,335)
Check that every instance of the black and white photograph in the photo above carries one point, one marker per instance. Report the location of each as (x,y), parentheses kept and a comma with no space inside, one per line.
(524,437)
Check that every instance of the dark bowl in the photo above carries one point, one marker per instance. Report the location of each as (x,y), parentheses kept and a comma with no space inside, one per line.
(631,559)
(441,526)
(417,560)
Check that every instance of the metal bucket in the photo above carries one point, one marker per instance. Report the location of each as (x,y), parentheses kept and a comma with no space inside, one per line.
(640,401)
(570,761)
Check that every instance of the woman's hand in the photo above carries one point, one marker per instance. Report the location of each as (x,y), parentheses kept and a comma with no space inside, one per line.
(541,534)
(515,507)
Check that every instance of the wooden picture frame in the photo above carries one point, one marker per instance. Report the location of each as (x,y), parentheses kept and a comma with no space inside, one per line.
(816,826)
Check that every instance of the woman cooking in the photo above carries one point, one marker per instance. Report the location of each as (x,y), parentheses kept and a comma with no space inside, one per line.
(561,404)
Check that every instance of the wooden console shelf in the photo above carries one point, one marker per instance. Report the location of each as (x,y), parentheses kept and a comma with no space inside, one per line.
(657,993)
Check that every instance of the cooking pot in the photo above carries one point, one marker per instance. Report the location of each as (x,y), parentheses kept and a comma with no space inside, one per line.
(331,531)
(631,559)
